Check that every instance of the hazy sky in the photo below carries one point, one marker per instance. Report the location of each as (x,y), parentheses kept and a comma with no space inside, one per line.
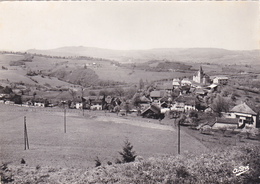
(129,25)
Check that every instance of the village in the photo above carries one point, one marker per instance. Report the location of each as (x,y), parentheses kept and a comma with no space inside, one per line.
(169,98)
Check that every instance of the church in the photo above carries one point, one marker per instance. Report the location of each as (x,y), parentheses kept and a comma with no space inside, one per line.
(200,77)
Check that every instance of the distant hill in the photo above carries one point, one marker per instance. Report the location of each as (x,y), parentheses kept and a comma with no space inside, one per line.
(201,55)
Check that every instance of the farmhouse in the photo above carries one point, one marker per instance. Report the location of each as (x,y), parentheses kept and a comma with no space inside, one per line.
(156,95)
(39,104)
(184,103)
(186,82)
(144,102)
(96,102)
(228,123)
(176,83)
(245,115)
(220,80)
(168,87)
(152,112)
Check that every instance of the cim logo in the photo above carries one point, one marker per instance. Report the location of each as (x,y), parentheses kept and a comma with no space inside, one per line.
(241,170)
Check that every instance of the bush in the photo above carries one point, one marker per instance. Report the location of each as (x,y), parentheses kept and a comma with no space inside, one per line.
(127,154)
(6,174)
(98,162)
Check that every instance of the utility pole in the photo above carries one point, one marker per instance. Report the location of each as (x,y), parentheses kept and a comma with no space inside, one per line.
(82,99)
(26,140)
(179,138)
(64,119)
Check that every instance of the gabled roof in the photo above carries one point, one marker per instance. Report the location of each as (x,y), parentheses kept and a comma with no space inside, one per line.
(227,120)
(175,83)
(154,108)
(156,94)
(186,81)
(221,77)
(243,108)
(212,86)
(187,100)
(167,86)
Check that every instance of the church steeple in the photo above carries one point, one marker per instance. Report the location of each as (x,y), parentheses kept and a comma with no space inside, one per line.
(201,71)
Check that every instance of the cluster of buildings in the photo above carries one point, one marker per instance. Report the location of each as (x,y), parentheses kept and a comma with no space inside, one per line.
(186,91)
(190,92)
(177,95)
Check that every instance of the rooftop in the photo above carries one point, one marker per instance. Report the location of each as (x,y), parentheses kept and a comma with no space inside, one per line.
(226,120)
(243,108)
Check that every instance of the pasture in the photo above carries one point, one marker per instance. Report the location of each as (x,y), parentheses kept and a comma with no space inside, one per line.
(94,134)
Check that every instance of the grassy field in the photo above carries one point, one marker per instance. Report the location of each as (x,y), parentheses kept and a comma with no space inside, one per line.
(86,138)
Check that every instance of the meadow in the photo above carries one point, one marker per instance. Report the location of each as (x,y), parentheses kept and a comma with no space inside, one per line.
(95,134)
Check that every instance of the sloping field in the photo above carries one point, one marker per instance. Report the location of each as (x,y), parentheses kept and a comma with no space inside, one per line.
(86,138)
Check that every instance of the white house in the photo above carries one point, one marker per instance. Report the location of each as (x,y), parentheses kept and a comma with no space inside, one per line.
(245,115)
(78,105)
(185,82)
(96,107)
(220,80)
(184,103)
(176,83)
(39,104)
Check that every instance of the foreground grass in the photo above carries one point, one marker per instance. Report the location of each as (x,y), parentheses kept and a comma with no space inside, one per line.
(214,167)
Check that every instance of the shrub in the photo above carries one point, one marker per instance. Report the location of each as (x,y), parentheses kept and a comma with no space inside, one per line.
(98,162)
(127,154)
(6,174)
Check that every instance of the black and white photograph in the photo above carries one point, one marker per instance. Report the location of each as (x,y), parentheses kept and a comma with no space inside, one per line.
(140,92)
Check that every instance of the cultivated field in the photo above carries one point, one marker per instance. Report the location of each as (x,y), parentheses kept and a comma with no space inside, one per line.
(94,134)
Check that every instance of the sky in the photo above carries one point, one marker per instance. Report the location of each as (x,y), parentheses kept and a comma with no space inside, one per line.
(129,25)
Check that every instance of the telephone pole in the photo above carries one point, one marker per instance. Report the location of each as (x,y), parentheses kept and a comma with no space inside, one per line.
(26,140)
(179,138)
(64,119)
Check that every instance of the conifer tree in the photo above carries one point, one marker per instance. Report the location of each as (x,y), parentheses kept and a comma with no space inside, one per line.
(127,153)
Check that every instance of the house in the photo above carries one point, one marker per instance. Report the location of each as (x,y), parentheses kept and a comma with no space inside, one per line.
(220,80)
(186,82)
(39,104)
(212,87)
(176,83)
(96,107)
(156,95)
(245,115)
(201,77)
(96,102)
(200,91)
(168,87)
(9,102)
(144,102)
(152,111)
(184,103)
(78,105)
(228,123)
